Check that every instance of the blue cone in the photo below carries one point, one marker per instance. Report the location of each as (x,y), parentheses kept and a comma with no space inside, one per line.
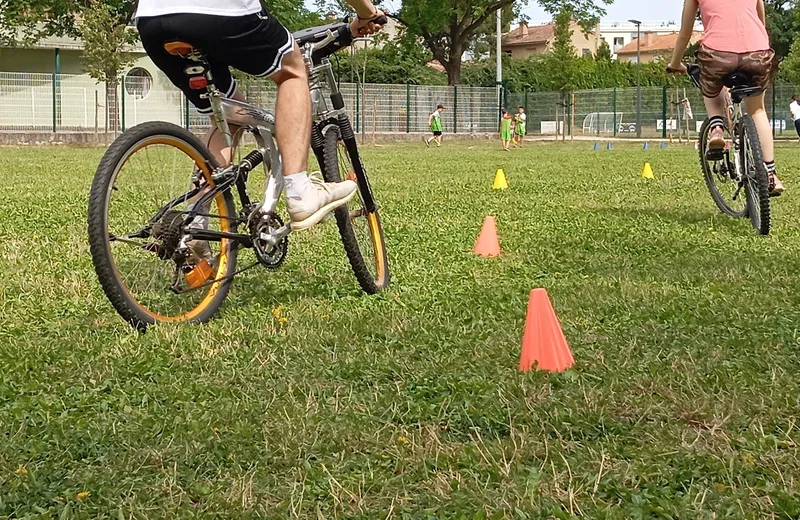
(596,145)
(663,145)
(609,147)
(646,145)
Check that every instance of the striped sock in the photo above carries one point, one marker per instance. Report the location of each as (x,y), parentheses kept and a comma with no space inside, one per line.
(716,121)
(770,167)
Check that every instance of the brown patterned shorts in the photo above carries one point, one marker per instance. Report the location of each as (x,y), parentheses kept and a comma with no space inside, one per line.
(717,65)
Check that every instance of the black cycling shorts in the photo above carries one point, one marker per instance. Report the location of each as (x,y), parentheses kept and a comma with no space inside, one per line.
(254,44)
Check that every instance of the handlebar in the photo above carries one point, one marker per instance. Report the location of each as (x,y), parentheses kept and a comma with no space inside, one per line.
(692,70)
(330,39)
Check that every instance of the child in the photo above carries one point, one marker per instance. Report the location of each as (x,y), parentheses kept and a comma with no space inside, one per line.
(735,40)
(505,130)
(520,121)
(435,123)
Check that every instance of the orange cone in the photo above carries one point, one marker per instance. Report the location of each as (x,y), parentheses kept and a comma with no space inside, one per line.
(488,244)
(544,343)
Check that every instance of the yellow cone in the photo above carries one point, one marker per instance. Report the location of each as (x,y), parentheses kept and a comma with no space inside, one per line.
(647,172)
(500,182)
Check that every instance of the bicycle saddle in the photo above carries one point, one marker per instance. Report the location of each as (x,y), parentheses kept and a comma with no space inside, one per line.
(741,85)
(738,80)
(179,48)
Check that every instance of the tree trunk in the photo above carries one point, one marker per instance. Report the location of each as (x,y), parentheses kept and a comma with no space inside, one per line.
(454,67)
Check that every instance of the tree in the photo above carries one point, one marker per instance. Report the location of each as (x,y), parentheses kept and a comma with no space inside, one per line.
(448,26)
(783,23)
(27,21)
(106,54)
(563,59)
(603,52)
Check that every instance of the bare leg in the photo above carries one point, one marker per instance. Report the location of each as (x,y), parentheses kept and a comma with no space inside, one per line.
(715,106)
(293,113)
(755,107)
(216,141)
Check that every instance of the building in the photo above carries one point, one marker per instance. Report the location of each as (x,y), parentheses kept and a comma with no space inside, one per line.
(527,40)
(653,47)
(619,34)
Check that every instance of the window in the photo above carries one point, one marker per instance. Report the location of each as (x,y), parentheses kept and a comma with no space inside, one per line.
(586,53)
(138,83)
(619,42)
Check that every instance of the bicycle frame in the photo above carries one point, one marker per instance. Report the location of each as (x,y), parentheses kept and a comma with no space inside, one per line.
(261,123)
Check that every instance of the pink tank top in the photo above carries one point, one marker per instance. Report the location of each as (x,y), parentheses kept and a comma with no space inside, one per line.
(733,26)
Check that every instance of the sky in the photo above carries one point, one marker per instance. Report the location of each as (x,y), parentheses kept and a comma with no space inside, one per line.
(620,10)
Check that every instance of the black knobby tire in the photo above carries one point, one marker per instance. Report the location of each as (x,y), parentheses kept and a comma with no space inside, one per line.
(371,282)
(709,175)
(757,182)
(98,225)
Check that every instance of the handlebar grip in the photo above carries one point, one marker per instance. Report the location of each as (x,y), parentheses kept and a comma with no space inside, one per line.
(381,20)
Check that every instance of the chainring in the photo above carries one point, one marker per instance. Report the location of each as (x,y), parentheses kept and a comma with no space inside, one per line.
(271,257)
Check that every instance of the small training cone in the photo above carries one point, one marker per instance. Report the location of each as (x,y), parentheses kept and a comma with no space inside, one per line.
(596,146)
(488,245)
(646,145)
(663,145)
(500,181)
(647,172)
(609,147)
(543,342)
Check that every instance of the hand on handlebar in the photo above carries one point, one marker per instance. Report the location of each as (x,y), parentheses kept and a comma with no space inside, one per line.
(677,68)
(359,27)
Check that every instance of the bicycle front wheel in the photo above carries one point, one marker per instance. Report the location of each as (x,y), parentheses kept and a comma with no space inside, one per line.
(361,230)
(142,192)
(756,178)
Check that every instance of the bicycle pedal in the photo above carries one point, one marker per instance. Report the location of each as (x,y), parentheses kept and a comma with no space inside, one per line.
(715,155)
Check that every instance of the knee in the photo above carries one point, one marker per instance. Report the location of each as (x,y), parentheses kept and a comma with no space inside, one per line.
(293,66)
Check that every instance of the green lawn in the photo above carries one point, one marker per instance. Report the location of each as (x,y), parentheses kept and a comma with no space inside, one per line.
(685,328)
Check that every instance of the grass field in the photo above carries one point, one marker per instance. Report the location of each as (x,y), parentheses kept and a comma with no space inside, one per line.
(685,327)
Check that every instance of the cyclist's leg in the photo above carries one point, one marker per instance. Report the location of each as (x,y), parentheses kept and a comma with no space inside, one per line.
(715,66)
(762,66)
(293,113)
(755,107)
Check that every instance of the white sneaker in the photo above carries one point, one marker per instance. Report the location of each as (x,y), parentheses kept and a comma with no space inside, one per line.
(318,201)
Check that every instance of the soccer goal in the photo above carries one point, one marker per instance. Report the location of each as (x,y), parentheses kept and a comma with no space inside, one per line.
(601,122)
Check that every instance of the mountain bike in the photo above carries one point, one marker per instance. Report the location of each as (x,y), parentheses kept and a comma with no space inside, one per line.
(736,177)
(164,230)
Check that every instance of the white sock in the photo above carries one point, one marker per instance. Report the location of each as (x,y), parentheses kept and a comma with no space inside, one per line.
(296,185)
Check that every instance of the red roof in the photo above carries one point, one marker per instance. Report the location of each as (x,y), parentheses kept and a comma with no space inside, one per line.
(652,43)
(524,35)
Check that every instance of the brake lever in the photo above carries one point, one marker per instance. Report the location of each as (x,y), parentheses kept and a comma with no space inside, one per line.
(329,39)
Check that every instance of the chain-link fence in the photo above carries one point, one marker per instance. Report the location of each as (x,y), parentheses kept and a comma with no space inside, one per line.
(76,103)
(665,112)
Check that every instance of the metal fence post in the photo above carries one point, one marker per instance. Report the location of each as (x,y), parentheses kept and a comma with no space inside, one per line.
(664,111)
(122,97)
(614,102)
(55,116)
(358,105)
(773,109)
(568,112)
(455,109)
(185,110)
(408,108)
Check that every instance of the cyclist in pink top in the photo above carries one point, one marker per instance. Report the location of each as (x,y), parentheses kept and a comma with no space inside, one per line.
(735,39)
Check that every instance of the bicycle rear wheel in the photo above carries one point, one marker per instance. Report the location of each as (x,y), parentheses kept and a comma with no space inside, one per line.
(756,178)
(138,207)
(723,181)
(361,230)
